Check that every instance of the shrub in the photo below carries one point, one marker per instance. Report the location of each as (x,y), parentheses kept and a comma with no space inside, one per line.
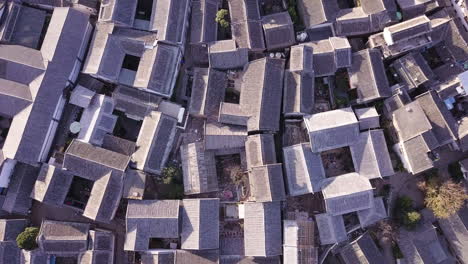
(411,219)
(172,174)
(405,213)
(221,18)
(27,239)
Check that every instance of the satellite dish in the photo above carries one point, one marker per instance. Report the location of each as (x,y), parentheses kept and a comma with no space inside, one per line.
(75,127)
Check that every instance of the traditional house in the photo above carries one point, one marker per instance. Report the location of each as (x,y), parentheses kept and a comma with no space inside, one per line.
(347,193)
(203,14)
(135,103)
(18,179)
(332,129)
(208,89)
(224,137)
(279,31)
(299,93)
(303,168)
(267,183)
(331,229)
(362,250)
(103,167)
(374,214)
(260,150)
(225,55)
(148,219)
(422,245)
(57,63)
(330,55)
(317,13)
(59,238)
(370,155)
(299,242)
(414,71)
(9,230)
(367,75)
(368,118)
(168,18)
(260,97)
(412,8)
(246,25)
(455,229)
(22,25)
(200,224)
(133,58)
(154,142)
(262,229)
(199,169)
(301,58)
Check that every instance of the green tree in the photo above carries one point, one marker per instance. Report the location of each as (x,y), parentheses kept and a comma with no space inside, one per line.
(405,213)
(27,239)
(172,175)
(443,198)
(221,18)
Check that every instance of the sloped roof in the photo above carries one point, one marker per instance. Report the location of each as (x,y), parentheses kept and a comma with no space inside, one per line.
(22,180)
(367,75)
(168,18)
(135,102)
(148,219)
(262,229)
(368,118)
(158,63)
(267,183)
(301,58)
(224,54)
(407,29)
(316,12)
(219,136)
(20,64)
(347,193)
(90,162)
(279,31)
(61,47)
(260,150)
(203,14)
(134,184)
(362,250)
(403,120)
(22,25)
(443,123)
(158,257)
(299,242)
(462,134)
(57,237)
(154,142)
(9,252)
(200,224)
(414,70)
(304,169)
(261,92)
(11,228)
(14,97)
(299,92)
(455,229)
(416,152)
(199,169)
(331,228)
(370,155)
(246,26)
(52,185)
(208,89)
(421,245)
(332,129)
(374,214)
(197,256)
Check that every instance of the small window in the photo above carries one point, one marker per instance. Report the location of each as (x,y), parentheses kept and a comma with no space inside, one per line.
(144,10)
(131,62)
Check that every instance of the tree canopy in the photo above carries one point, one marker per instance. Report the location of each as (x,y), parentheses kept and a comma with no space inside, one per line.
(27,239)
(443,198)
